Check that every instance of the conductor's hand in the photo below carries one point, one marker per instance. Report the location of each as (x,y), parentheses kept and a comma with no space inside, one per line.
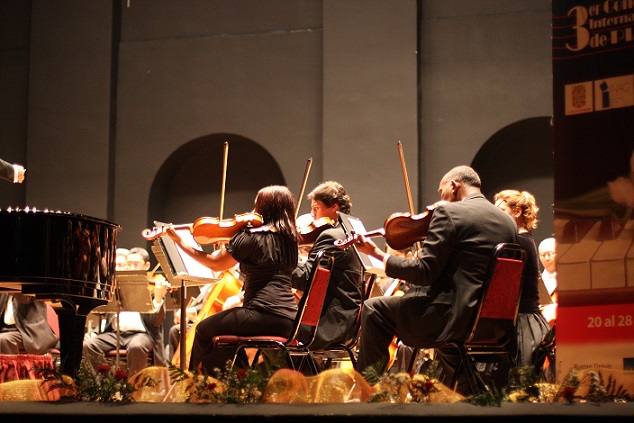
(19,171)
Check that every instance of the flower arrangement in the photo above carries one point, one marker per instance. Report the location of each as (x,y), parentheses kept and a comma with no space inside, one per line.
(247,386)
(105,384)
(231,385)
(527,388)
(404,388)
(599,390)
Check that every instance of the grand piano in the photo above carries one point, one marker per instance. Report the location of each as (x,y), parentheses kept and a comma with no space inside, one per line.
(65,259)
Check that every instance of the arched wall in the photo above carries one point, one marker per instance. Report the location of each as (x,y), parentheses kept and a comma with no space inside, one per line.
(520,156)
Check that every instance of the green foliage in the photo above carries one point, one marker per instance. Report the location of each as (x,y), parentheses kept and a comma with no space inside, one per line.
(525,381)
(494,397)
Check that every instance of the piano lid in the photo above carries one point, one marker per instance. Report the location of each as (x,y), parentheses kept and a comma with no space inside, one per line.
(56,254)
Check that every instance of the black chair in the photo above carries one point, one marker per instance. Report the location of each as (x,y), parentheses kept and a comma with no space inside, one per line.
(295,350)
(346,351)
(493,329)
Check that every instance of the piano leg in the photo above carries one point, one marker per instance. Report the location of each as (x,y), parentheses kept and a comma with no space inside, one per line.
(72,328)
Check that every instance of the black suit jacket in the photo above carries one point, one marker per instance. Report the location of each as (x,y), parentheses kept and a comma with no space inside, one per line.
(450,271)
(344,295)
(31,321)
(6,171)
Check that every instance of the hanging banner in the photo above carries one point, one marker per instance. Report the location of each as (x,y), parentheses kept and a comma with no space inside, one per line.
(593,105)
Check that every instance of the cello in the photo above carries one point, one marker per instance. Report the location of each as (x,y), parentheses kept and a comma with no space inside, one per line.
(227,286)
(393,347)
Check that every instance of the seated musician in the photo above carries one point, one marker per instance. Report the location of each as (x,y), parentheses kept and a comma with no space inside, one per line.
(344,296)
(139,333)
(445,276)
(24,325)
(547,257)
(267,256)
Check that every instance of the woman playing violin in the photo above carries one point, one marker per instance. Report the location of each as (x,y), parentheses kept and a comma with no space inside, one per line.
(343,298)
(266,256)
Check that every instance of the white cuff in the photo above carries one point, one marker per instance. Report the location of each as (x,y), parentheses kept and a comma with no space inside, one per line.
(157,305)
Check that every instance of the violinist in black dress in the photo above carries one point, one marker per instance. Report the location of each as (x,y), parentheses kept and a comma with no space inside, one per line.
(267,255)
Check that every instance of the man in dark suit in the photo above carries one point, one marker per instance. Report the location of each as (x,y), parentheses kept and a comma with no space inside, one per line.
(12,172)
(24,325)
(344,295)
(446,277)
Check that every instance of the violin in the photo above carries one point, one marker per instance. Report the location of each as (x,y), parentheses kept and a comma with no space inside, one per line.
(400,230)
(309,228)
(211,230)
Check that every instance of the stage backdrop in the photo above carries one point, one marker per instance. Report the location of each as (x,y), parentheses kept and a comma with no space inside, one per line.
(593,92)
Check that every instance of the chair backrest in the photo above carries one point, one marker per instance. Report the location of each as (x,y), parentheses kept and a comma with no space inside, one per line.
(497,313)
(313,297)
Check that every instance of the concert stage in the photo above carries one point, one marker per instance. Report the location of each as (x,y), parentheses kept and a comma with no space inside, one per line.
(305,413)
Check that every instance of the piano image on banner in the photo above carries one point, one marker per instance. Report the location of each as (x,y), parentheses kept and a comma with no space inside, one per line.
(593,254)
(65,259)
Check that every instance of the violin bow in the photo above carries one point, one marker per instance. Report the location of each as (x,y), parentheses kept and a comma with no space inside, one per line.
(401,154)
(309,164)
(224,179)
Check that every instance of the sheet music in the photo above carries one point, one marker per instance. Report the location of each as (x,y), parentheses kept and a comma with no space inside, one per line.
(179,266)
(132,293)
(192,267)
(355,225)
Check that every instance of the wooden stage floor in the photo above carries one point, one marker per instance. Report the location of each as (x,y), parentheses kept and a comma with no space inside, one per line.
(305,413)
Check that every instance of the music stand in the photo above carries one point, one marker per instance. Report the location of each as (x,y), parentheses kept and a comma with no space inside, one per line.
(371,266)
(131,294)
(181,270)
(353,225)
